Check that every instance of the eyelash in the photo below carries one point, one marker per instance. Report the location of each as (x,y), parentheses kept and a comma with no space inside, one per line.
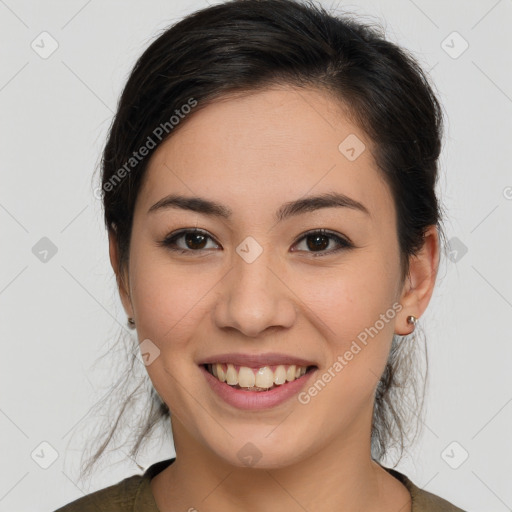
(170,241)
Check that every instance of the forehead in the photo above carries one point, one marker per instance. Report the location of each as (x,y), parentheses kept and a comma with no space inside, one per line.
(264,148)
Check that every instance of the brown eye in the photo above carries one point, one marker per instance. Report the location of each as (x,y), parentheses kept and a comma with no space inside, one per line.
(317,241)
(195,240)
(188,241)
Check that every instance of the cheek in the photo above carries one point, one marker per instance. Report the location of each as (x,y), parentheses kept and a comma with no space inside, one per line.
(167,296)
(342,302)
(356,321)
(351,299)
(168,301)
(354,308)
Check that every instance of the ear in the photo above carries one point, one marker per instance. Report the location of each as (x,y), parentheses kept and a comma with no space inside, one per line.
(419,285)
(121,277)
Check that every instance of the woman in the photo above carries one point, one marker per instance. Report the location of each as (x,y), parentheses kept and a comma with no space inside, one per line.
(268,186)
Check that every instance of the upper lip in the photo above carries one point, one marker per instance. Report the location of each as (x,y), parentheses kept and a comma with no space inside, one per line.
(257,360)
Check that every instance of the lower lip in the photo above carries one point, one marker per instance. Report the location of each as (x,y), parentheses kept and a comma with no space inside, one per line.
(256,399)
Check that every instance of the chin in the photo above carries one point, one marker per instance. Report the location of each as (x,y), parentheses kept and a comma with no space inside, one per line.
(260,452)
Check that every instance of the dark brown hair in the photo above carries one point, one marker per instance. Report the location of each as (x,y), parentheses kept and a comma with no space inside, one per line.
(245,45)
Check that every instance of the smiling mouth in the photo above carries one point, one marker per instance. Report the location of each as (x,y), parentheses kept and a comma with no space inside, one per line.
(263,378)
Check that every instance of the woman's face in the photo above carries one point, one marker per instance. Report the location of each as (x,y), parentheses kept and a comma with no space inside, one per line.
(253,290)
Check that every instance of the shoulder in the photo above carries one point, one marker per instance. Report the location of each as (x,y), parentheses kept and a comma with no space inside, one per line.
(132,493)
(115,498)
(424,501)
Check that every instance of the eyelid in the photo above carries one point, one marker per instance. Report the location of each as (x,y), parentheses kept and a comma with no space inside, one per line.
(176,234)
(325,232)
(342,241)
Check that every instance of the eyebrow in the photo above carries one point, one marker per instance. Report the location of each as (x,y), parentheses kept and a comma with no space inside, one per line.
(297,207)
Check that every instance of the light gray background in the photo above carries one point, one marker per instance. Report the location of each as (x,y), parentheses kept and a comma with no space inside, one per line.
(58,316)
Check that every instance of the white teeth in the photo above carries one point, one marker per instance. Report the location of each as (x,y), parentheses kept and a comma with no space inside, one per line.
(246,377)
(263,378)
(231,375)
(280,375)
(221,374)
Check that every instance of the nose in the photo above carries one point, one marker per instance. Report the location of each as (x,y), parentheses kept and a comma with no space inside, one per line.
(255,297)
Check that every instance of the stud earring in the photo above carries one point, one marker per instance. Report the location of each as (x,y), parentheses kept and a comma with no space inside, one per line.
(131,322)
(411,319)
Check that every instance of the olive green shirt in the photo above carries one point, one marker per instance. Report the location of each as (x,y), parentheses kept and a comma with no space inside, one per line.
(133,494)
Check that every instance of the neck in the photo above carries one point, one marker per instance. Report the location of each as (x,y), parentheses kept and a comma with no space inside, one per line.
(340,477)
